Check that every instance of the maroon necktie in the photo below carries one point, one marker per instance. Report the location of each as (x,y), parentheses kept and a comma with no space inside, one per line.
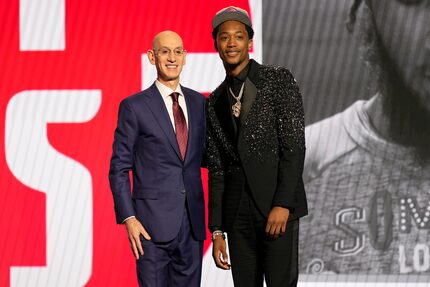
(180,125)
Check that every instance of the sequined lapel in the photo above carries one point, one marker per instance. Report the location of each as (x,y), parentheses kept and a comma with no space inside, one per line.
(223,112)
(221,119)
(248,99)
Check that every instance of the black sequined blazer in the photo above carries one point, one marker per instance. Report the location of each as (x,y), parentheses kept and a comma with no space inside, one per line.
(269,144)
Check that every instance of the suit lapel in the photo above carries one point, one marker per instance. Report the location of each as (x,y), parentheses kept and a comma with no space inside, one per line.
(191,123)
(216,113)
(224,115)
(158,108)
(250,94)
(250,91)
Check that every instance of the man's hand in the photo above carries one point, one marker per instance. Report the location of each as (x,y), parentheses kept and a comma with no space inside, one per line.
(219,253)
(277,221)
(134,230)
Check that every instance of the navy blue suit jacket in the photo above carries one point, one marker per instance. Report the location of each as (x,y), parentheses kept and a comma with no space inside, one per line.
(145,143)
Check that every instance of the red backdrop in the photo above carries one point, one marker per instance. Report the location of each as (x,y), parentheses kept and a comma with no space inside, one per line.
(104,41)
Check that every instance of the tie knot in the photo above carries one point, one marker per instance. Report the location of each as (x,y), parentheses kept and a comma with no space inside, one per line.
(174,97)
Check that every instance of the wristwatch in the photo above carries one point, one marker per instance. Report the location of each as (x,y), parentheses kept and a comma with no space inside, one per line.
(216,233)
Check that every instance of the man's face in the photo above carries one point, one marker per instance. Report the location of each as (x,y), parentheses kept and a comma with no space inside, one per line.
(404,29)
(233,44)
(168,56)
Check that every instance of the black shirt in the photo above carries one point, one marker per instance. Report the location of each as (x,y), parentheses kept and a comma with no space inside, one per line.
(235,83)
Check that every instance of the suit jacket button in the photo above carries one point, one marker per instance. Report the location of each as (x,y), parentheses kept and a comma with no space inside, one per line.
(183,191)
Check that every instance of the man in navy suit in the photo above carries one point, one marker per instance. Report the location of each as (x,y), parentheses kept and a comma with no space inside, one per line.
(160,137)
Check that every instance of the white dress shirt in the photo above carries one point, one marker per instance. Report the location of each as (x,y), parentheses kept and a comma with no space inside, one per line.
(168,101)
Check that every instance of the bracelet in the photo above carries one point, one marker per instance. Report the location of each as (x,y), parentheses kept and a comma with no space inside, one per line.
(216,233)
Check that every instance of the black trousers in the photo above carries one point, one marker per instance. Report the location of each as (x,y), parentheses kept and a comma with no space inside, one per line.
(254,256)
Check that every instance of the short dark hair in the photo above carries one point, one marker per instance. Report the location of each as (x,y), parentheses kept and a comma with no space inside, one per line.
(215,31)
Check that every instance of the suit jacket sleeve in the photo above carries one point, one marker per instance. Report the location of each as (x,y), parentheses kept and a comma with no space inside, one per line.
(126,134)
(291,138)
(216,173)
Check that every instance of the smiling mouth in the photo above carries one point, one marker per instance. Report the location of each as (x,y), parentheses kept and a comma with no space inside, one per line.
(232,53)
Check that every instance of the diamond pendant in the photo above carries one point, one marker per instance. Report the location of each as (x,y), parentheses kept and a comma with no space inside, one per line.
(236,109)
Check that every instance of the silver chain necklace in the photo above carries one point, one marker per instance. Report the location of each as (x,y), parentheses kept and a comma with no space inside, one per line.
(237,106)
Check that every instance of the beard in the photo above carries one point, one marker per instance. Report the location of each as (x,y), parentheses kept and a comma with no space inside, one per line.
(408,118)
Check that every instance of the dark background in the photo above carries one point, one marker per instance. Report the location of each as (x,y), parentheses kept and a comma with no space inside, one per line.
(310,38)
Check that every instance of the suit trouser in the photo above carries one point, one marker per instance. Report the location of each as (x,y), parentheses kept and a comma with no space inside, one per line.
(255,256)
(174,263)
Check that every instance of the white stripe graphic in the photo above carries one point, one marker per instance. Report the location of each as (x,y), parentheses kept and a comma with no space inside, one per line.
(66,183)
(42,25)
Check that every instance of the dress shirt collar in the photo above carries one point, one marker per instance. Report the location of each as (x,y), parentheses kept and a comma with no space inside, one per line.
(242,75)
(165,91)
(235,83)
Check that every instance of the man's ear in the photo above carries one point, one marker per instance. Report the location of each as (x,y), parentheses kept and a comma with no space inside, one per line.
(151,56)
(250,44)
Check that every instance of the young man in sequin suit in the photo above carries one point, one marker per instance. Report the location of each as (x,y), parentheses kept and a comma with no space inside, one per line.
(367,171)
(255,152)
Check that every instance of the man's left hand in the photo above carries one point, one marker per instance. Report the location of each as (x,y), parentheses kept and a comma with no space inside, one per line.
(277,221)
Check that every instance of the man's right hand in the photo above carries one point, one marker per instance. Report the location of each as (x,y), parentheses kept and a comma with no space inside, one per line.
(219,253)
(134,230)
